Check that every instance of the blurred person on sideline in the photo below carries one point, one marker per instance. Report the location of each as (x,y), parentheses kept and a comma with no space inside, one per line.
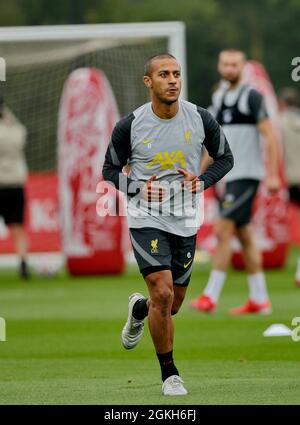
(241,112)
(288,101)
(162,141)
(13,172)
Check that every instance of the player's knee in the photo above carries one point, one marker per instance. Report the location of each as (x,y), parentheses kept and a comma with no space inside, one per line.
(161,291)
(162,298)
(165,296)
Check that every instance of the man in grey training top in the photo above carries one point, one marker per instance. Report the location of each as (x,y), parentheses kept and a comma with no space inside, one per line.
(162,143)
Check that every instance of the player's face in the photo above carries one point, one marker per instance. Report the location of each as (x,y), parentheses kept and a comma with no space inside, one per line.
(165,80)
(231,66)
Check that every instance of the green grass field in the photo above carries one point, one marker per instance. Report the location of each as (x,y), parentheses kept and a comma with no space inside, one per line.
(63,344)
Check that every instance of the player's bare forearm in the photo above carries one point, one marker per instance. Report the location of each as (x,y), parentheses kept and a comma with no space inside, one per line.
(272,180)
(267,131)
(272,149)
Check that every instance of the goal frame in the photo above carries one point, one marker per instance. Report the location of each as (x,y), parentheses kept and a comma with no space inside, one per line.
(173,31)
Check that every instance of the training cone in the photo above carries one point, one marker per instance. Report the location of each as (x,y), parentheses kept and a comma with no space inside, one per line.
(277,330)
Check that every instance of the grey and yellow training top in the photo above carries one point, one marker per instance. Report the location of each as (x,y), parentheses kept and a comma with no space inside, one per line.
(152,146)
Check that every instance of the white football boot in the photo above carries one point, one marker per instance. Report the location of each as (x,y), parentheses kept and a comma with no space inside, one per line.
(173,386)
(133,329)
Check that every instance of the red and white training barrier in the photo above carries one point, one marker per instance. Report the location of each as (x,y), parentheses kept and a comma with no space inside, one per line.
(87,115)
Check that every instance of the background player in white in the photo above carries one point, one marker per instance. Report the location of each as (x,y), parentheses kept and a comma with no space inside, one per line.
(241,112)
(13,174)
(163,140)
(288,100)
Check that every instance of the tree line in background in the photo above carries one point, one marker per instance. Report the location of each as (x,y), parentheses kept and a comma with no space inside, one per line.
(267,30)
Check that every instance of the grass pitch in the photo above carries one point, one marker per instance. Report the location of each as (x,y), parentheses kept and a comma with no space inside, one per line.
(63,344)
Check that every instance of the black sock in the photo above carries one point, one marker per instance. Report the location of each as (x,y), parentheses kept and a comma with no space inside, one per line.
(167,365)
(24,273)
(140,309)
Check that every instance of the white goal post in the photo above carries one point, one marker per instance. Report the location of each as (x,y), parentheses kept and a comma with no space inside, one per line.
(174,31)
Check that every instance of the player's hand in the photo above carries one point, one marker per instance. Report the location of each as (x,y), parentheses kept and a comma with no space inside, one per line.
(190,181)
(273,184)
(152,191)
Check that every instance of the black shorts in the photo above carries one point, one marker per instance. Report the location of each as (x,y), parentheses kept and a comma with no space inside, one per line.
(237,202)
(12,205)
(156,250)
(294,192)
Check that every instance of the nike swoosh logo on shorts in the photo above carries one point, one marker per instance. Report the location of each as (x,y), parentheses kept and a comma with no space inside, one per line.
(187,264)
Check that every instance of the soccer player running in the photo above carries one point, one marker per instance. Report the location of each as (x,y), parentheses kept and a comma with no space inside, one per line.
(241,112)
(162,142)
